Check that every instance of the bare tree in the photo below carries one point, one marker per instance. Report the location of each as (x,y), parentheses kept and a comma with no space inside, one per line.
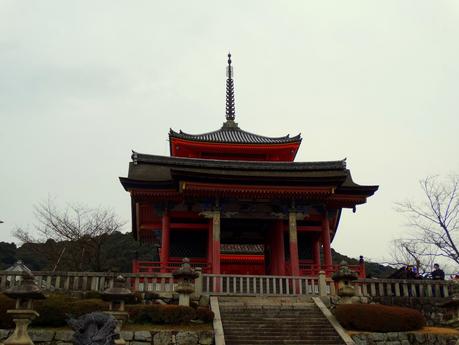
(435,220)
(82,232)
(410,252)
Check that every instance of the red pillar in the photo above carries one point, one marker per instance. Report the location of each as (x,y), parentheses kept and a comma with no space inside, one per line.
(209,244)
(326,243)
(216,242)
(279,256)
(165,240)
(316,255)
(293,242)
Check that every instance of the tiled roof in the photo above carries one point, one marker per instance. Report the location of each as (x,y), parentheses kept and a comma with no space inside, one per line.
(231,133)
(180,162)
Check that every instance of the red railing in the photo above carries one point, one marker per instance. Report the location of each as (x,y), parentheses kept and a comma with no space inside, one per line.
(140,266)
(306,269)
(312,270)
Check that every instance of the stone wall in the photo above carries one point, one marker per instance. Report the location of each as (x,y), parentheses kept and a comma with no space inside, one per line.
(64,337)
(404,338)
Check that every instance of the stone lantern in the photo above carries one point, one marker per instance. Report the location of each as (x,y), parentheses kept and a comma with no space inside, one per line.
(23,313)
(185,277)
(117,297)
(344,278)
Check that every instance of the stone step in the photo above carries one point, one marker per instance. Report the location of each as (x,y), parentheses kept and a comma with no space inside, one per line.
(254,323)
(281,335)
(276,320)
(267,328)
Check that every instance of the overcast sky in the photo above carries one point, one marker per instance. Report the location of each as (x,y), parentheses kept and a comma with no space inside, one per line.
(84,82)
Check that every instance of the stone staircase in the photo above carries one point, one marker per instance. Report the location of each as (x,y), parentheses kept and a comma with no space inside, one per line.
(266,321)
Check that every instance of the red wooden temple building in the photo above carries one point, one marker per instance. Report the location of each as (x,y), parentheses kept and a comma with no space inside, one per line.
(235,202)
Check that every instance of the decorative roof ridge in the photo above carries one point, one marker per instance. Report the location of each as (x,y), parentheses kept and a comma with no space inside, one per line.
(234,164)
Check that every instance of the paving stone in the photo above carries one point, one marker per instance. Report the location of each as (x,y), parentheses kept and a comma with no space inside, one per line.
(186,338)
(127,335)
(140,343)
(378,336)
(206,338)
(453,342)
(61,343)
(41,335)
(162,338)
(405,342)
(359,341)
(420,339)
(64,336)
(392,336)
(4,334)
(142,336)
(402,336)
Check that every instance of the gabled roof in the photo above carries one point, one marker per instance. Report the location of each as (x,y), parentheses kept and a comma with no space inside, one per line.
(231,133)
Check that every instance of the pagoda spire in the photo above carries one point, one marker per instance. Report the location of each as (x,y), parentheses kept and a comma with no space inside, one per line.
(230,107)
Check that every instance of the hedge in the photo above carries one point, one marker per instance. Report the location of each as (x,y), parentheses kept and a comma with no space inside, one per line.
(160,313)
(54,310)
(379,318)
(204,314)
(57,308)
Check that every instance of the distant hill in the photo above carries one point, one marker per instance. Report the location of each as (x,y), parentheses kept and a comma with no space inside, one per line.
(119,251)
(373,269)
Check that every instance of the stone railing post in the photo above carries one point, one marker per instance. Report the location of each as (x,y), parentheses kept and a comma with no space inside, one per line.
(322,284)
(198,282)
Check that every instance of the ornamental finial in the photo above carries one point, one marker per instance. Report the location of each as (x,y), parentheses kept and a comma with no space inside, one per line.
(230,107)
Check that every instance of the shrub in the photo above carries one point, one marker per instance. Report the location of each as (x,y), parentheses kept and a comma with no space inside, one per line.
(194,305)
(159,313)
(177,314)
(378,318)
(56,309)
(141,313)
(204,314)
(92,295)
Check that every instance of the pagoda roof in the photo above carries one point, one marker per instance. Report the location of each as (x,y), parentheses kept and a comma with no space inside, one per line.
(152,171)
(175,162)
(231,133)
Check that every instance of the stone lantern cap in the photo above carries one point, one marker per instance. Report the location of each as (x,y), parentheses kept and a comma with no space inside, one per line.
(344,273)
(118,291)
(185,271)
(27,290)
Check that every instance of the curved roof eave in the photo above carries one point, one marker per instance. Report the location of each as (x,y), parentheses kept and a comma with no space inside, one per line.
(234,136)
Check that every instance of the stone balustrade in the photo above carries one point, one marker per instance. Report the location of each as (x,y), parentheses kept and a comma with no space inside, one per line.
(91,281)
(231,284)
